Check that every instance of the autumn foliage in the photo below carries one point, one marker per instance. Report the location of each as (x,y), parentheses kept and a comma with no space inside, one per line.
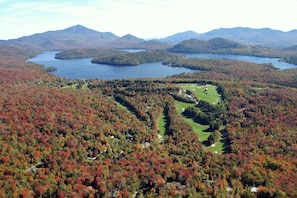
(104,142)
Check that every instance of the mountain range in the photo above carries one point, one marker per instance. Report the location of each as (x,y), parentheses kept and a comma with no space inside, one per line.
(265,37)
(81,37)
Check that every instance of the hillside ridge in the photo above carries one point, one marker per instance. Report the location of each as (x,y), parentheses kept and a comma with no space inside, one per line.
(79,36)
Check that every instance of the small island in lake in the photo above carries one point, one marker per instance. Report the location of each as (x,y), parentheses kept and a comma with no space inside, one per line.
(137,58)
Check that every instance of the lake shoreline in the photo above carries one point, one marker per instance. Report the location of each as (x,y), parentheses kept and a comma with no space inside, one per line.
(83,68)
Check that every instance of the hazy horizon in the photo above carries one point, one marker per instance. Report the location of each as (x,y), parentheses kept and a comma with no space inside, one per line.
(149,38)
(143,18)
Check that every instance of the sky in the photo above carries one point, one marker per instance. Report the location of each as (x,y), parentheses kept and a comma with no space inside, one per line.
(143,18)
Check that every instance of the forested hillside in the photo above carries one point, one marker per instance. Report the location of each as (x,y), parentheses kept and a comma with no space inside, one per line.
(128,138)
(225,46)
(87,53)
(137,58)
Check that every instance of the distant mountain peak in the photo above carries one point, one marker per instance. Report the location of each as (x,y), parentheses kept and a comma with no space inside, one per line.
(79,36)
(190,32)
(77,26)
(78,29)
(293,31)
(76,36)
(264,36)
(176,38)
(130,37)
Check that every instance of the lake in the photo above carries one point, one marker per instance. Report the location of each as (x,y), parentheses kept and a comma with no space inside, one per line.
(83,68)
(259,60)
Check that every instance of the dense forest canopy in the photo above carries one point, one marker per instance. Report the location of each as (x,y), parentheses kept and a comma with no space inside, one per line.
(137,58)
(87,53)
(95,138)
(225,46)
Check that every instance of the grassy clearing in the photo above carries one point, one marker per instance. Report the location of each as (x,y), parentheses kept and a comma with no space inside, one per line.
(181,106)
(206,92)
(75,86)
(198,128)
(219,146)
(119,104)
(161,124)
(85,87)
(209,94)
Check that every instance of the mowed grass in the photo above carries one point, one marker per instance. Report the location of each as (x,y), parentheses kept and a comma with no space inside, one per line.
(181,106)
(161,124)
(206,92)
(199,129)
(118,104)
(75,86)
(85,87)
(210,96)
(218,148)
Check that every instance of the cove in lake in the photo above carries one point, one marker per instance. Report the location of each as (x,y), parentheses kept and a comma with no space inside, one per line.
(83,68)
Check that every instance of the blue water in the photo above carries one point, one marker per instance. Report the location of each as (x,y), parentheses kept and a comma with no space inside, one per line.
(259,60)
(83,68)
